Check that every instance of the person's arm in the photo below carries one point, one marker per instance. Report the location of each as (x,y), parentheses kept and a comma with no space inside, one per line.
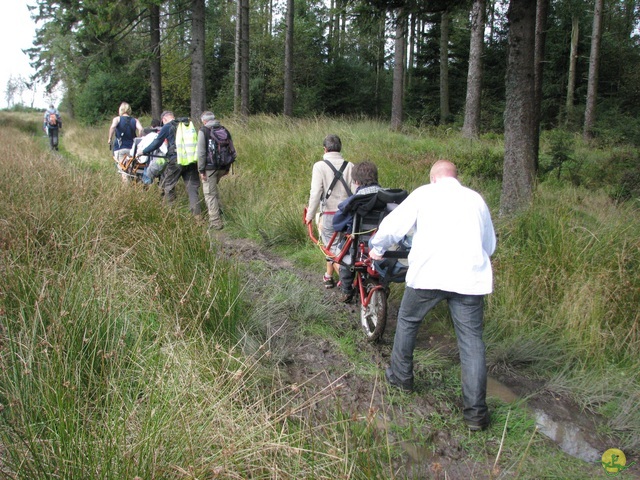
(139,128)
(201,151)
(394,227)
(488,233)
(315,194)
(112,128)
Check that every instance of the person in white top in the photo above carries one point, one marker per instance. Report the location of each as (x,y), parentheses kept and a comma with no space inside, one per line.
(449,260)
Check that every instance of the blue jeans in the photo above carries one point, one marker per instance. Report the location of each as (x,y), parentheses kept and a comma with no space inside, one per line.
(467,312)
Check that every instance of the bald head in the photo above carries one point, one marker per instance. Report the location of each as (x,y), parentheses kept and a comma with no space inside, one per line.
(442,169)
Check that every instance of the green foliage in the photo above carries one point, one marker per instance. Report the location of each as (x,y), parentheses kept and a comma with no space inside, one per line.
(103,92)
(620,175)
(616,125)
(559,157)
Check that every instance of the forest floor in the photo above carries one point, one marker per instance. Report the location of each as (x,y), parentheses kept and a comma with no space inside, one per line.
(317,365)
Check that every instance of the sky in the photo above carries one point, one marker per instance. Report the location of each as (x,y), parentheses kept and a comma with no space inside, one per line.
(17,31)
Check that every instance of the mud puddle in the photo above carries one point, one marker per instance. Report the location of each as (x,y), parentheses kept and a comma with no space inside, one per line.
(570,437)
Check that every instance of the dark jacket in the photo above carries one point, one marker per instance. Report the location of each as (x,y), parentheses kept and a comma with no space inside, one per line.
(167,132)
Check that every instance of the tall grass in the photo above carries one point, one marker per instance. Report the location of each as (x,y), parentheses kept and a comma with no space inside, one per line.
(130,349)
(124,351)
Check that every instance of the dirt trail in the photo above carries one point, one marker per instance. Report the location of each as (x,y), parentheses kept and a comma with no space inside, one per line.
(322,371)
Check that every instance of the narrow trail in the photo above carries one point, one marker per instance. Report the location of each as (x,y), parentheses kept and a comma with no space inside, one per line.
(316,366)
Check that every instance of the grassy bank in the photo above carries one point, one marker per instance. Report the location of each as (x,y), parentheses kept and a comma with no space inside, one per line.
(124,345)
(129,349)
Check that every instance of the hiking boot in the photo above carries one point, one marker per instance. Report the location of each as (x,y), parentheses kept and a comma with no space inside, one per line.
(328,281)
(478,426)
(394,382)
(346,297)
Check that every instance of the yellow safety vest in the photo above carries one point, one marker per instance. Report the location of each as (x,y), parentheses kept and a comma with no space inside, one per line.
(186,144)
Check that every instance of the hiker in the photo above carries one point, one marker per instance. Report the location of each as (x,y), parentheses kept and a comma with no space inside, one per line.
(449,260)
(155,127)
(213,138)
(125,128)
(52,124)
(173,171)
(330,184)
(365,179)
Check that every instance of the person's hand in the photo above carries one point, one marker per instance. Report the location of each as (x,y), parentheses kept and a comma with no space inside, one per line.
(203,177)
(374,256)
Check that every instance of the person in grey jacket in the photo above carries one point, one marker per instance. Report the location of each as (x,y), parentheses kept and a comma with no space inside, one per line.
(209,174)
(326,194)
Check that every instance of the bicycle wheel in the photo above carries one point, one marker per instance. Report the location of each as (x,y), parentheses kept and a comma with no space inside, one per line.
(373,316)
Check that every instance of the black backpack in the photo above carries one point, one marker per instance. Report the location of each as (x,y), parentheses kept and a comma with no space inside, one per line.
(220,151)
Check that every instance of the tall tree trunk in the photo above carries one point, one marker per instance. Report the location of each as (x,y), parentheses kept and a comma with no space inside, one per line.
(241,73)
(398,70)
(594,58)
(445,113)
(542,10)
(270,19)
(198,92)
(411,52)
(236,71)
(471,126)
(492,20)
(155,74)
(380,58)
(330,35)
(244,59)
(573,59)
(519,115)
(288,61)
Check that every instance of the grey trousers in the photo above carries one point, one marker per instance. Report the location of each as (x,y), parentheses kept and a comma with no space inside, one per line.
(467,312)
(189,173)
(212,197)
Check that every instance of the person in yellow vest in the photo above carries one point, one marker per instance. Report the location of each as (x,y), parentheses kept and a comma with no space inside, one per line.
(182,161)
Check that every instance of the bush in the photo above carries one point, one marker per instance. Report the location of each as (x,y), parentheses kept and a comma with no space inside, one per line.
(103,93)
(559,160)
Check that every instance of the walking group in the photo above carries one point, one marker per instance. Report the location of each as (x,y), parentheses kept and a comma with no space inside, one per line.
(452,240)
(449,226)
(172,149)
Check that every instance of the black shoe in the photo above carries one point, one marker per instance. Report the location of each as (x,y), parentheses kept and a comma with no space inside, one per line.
(393,381)
(346,297)
(478,426)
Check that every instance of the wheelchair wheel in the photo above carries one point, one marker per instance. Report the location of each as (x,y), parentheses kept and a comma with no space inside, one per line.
(374,316)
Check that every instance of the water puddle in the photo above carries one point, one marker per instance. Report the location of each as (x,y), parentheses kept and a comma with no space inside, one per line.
(569,437)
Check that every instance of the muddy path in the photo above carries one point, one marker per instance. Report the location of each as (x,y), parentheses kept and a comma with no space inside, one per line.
(316,367)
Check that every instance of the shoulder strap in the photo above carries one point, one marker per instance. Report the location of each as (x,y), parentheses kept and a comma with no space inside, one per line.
(337,176)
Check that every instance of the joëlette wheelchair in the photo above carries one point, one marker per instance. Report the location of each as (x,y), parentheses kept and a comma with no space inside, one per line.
(371,279)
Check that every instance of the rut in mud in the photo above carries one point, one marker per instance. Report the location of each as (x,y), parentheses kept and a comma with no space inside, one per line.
(317,368)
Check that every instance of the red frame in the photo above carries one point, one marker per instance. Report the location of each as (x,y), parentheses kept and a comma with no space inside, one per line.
(363,266)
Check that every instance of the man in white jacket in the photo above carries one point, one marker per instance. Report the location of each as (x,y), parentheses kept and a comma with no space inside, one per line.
(449,260)
(330,184)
